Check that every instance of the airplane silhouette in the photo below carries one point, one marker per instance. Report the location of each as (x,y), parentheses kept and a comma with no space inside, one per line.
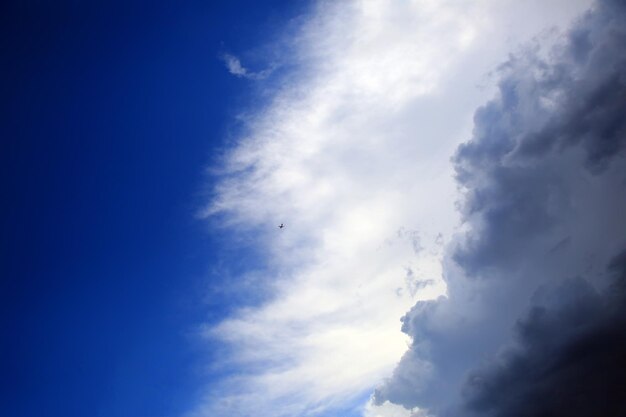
(281,226)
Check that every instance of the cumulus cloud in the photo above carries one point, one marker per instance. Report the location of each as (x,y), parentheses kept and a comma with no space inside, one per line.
(352,154)
(534,319)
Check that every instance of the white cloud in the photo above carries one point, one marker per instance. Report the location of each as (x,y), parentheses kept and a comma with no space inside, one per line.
(234,66)
(385,410)
(352,154)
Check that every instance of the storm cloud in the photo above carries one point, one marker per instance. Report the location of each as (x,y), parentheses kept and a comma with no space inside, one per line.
(533,321)
(568,358)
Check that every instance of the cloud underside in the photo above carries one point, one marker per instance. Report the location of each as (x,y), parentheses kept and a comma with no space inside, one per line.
(535,319)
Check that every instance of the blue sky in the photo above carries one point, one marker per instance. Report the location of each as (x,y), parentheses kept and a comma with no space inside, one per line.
(111,112)
(450,174)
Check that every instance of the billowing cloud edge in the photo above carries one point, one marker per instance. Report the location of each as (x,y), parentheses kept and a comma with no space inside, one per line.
(534,319)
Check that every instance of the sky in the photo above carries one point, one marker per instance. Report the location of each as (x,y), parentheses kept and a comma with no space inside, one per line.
(450,175)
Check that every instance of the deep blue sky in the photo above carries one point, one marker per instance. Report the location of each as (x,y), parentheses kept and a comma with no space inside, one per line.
(110,113)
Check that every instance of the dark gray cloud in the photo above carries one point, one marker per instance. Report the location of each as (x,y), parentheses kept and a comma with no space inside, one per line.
(533,324)
(569,357)
(513,169)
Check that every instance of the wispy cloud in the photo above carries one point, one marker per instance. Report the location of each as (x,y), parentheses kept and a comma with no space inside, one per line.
(352,154)
(234,66)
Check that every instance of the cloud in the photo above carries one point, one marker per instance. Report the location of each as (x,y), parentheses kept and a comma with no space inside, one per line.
(234,66)
(567,360)
(533,308)
(352,153)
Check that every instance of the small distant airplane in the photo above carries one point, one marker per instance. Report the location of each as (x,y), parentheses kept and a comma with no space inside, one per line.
(281,226)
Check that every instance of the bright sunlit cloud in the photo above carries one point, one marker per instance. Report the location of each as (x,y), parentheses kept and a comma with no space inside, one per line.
(352,155)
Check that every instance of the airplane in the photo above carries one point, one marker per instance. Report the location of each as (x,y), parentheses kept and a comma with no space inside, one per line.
(281,226)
